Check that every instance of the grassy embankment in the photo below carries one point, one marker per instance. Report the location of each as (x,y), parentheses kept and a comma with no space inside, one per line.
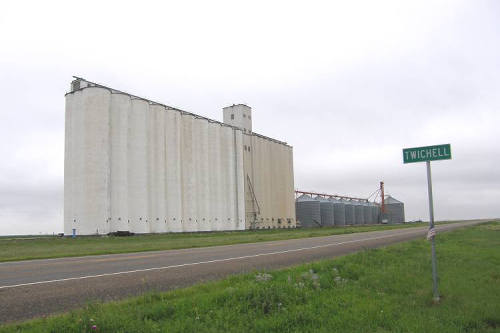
(379,290)
(12,249)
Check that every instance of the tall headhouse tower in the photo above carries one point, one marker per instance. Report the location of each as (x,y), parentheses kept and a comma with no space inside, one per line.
(239,115)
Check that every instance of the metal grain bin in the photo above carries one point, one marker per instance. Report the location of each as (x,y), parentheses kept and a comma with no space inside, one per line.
(359,217)
(395,210)
(339,212)
(375,212)
(349,212)
(367,212)
(308,211)
(326,211)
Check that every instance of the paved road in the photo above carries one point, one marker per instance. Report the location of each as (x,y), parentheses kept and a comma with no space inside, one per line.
(41,287)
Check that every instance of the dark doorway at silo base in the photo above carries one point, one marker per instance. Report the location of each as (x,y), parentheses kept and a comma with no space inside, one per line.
(121,233)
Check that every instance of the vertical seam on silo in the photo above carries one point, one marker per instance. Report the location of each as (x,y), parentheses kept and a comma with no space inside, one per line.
(164,144)
(252,178)
(126,217)
(165,185)
(150,132)
(108,170)
(236,179)
(180,136)
(68,163)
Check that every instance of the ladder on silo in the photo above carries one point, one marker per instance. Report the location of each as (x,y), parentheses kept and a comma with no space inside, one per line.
(255,204)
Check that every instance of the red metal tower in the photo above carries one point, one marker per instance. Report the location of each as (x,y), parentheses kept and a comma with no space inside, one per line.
(382,207)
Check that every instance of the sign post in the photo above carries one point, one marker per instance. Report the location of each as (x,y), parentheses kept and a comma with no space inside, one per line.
(428,154)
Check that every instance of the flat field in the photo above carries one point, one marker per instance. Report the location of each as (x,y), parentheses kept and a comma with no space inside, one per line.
(24,248)
(381,290)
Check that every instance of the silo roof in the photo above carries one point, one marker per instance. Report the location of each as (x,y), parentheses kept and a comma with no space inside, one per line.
(390,200)
(305,197)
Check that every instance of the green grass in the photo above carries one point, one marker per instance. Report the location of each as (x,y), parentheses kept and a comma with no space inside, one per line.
(12,249)
(380,290)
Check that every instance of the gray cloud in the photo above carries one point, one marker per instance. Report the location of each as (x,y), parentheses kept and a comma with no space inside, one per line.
(348,89)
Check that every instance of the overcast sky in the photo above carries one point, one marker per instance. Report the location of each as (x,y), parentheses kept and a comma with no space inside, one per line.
(347,83)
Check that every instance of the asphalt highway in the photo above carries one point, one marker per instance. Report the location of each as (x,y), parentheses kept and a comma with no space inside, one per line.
(37,288)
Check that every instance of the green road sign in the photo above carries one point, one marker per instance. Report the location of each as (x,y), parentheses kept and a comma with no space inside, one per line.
(429,153)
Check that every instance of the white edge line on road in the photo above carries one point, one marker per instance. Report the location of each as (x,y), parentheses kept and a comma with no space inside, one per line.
(208,261)
(71,259)
(98,256)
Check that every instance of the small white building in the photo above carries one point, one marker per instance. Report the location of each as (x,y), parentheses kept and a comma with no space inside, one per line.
(139,166)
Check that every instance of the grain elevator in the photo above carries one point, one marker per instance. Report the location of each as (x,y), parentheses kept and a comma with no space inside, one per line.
(135,165)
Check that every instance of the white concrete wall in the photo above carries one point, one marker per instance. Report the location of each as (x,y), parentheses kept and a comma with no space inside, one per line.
(269,164)
(215,176)
(225,177)
(197,163)
(202,172)
(240,181)
(138,171)
(158,177)
(173,182)
(131,165)
(87,163)
(290,189)
(69,178)
(119,112)
(188,175)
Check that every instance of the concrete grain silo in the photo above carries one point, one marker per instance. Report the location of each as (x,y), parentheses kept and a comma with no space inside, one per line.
(135,165)
(308,211)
